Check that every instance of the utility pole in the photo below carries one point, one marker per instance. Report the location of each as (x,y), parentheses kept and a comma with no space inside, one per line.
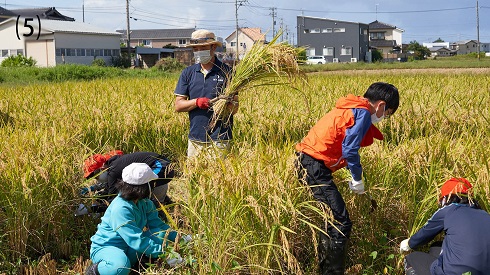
(236,31)
(282,28)
(273,13)
(83,11)
(477,31)
(128,31)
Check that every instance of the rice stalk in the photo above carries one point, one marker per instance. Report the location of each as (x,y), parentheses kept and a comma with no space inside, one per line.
(264,65)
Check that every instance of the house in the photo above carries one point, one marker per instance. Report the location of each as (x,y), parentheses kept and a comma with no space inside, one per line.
(6,14)
(158,38)
(247,37)
(53,42)
(440,51)
(43,13)
(484,47)
(464,47)
(385,38)
(337,41)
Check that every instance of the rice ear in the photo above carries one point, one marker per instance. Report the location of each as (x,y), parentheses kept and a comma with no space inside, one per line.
(265,64)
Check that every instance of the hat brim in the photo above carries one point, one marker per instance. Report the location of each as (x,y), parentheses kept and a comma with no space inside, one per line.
(204,44)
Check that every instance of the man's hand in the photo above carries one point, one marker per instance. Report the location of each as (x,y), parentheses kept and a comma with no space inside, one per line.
(404,247)
(202,102)
(357,186)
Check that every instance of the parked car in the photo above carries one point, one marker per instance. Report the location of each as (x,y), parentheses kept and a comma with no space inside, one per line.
(316,59)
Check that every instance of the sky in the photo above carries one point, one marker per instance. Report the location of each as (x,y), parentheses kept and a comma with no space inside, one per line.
(420,20)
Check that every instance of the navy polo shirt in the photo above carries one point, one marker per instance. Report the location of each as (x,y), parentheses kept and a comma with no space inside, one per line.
(193,84)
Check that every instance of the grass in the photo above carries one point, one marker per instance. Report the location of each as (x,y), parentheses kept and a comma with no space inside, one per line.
(250,212)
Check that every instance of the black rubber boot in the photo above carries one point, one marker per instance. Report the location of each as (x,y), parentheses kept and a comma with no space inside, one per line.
(332,254)
(92,270)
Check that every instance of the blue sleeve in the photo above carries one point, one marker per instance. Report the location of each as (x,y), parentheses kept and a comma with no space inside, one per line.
(352,141)
(123,222)
(433,227)
(157,227)
(182,88)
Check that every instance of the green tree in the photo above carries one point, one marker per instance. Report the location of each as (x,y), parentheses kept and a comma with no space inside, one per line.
(420,52)
(438,40)
(18,61)
(376,55)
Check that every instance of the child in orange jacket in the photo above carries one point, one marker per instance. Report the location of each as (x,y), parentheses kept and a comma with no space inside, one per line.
(334,143)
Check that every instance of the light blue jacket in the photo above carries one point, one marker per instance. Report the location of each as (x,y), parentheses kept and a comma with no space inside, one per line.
(127,225)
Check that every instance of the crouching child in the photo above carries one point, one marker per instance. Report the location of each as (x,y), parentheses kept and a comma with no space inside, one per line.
(130,227)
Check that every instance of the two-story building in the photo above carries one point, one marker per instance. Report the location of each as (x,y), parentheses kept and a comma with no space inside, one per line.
(337,41)
(464,47)
(385,38)
(246,38)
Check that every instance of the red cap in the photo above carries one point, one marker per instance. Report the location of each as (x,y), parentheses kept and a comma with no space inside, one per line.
(96,162)
(455,186)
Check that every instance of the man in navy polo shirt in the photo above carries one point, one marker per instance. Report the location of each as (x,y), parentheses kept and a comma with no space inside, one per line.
(198,84)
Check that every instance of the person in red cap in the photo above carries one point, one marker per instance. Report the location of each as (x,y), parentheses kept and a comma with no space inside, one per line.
(334,143)
(466,245)
(107,169)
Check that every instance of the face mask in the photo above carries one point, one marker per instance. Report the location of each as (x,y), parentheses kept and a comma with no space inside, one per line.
(375,118)
(202,57)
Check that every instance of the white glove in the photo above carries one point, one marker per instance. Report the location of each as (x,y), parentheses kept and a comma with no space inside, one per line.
(174,259)
(186,238)
(404,247)
(356,186)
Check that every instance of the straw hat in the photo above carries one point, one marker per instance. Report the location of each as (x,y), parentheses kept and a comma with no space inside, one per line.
(203,38)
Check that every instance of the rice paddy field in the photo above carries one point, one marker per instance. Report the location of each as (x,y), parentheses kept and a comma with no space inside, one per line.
(251,214)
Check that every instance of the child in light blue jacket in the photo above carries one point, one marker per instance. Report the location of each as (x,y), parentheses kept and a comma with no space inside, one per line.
(130,227)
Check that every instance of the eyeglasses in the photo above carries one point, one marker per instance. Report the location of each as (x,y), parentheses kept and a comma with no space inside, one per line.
(201,40)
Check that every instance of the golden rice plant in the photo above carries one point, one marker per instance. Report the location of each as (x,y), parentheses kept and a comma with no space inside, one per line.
(264,65)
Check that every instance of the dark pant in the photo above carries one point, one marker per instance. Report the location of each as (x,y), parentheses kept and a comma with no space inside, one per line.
(332,249)
(419,263)
(320,180)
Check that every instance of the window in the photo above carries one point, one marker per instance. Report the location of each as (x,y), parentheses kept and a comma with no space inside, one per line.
(107,52)
(377,36)
(328,51)
(182,41)
(346,51)
(115,52)
(20,51)
(306,31)
(316,30)
(146,42)
(310,52)
(97,52)
(89,52)
(80,52)
(339,30)
(5,53)
(327,30)
(233,44)
(13,52)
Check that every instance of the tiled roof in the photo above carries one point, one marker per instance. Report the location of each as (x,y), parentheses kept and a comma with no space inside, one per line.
(43,13)
(159,33)
(254,33)
(382,43)
(380,25)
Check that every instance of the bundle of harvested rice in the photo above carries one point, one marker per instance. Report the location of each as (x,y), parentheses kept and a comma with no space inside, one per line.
(265,64)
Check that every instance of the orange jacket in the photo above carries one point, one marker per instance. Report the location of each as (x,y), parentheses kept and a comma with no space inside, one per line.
(324,140)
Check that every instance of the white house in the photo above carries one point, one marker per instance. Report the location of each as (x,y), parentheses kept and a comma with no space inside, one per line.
(53,42)
(247,37)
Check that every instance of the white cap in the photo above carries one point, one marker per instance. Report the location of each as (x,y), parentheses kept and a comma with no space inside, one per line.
(138,174)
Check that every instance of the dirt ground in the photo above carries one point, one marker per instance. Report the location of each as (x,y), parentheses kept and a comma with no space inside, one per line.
(415,71)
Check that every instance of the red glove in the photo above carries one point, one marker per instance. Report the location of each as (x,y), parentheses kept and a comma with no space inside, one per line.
(202,102)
